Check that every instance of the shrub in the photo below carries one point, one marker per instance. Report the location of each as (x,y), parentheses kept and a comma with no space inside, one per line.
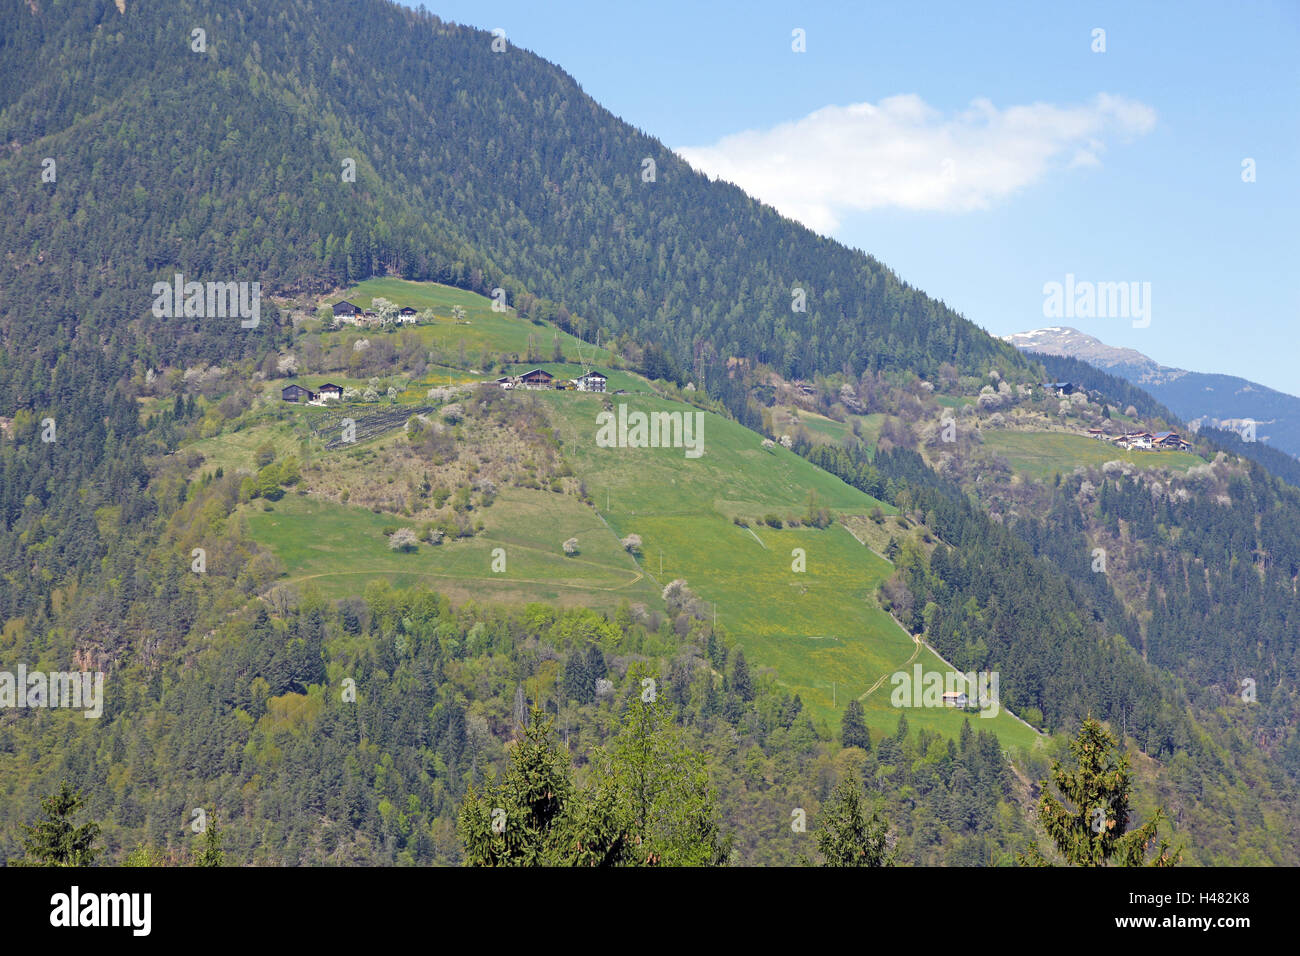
(772,521)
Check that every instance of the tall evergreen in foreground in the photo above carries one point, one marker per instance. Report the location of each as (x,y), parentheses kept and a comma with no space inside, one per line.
(847,836)
(1092,828)
(652,805)
(55,841)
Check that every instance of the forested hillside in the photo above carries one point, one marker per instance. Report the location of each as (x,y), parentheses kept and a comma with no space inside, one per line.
(353,729)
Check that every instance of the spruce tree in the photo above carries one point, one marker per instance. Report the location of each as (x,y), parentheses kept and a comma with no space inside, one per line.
(526,820)
(853,729)
(55,841)
(1089,821)
(741,683)
(212,854)
(847,836)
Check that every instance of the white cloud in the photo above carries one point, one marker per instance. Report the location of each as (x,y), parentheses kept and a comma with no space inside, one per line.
(904,153)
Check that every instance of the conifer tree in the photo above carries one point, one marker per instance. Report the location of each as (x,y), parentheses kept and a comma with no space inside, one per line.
(853,730)
(1089,821)
(55,841)
(847,836)
(662,784)
(741,683)
(211,854)
(526,820)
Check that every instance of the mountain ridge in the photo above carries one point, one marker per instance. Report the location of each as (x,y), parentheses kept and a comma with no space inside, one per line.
(1200,398)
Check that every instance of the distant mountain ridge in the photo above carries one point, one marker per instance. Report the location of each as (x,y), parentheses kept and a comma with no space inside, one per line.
(1201,398)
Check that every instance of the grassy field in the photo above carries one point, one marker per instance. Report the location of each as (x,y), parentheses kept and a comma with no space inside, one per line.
(1040,455)
(819,629)
(484,330)
(235,451)
(823,430)
(339,548)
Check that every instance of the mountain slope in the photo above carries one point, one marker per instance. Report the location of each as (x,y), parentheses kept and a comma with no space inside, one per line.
(476,168)
(228,689)
(1199,398)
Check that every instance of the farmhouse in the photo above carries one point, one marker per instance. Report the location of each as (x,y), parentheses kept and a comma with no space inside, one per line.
(955,698)
(536,378)
(505,381)
(406,315)
(346,308)
(1140,440)
(1059,388)
(331,391)
(1170,440)
(591,382)
(1096,433)
(296,393)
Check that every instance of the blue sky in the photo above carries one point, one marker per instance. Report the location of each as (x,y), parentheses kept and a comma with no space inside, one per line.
(989,150)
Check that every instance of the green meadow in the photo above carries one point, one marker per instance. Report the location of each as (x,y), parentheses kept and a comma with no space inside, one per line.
(1041,455)
(819,629)
(339,548)
(482,330)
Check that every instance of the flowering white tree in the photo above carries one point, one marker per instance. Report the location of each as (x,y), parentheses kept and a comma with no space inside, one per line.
(403,539)
(386,310)
(632,543)
(571,547)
